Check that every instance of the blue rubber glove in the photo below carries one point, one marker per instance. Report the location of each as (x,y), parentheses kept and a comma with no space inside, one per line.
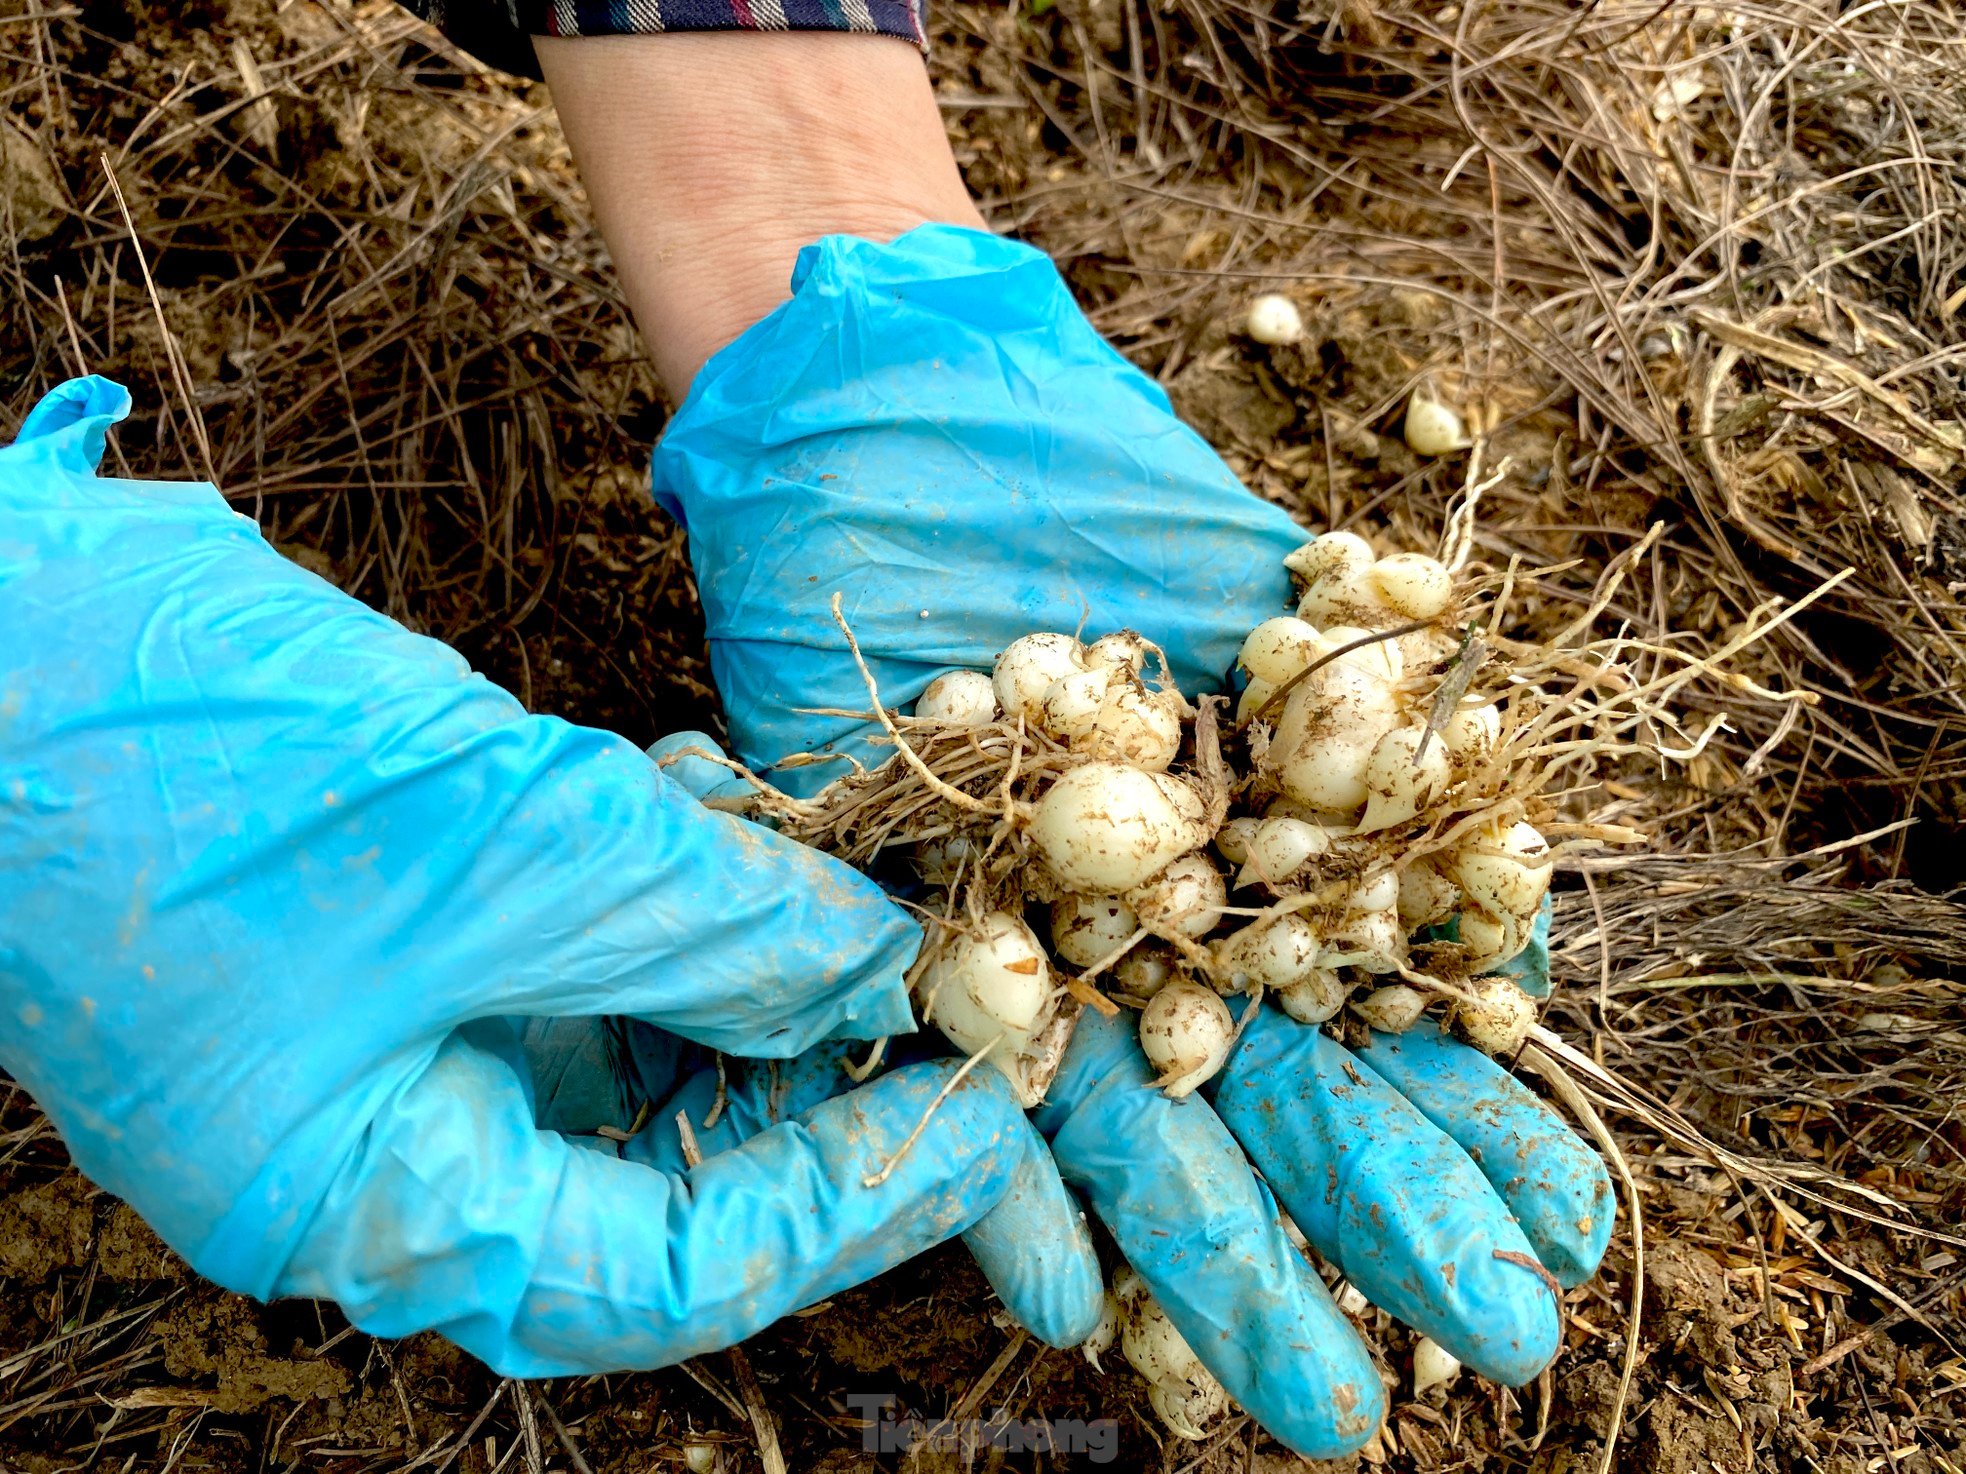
(285,888)
(933,430)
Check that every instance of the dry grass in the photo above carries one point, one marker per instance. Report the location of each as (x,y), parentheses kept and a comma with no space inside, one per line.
(1735,310)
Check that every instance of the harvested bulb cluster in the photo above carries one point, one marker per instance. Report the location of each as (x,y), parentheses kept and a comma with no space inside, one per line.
(1166,858)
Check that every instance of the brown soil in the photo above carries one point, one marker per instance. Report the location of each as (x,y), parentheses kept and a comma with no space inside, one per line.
(480,477)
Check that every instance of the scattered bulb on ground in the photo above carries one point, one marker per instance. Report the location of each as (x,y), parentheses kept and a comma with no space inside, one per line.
(1274,319)
(1433,1365)
(700,1457)
(1432,429)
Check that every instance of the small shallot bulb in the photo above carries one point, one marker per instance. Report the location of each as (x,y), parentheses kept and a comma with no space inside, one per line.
(1415,585)
(1373,940)
(1471,733)
(1379,658)
(1105,1333)
(1279,848)
(1136,726)
(1085,929)
(1279,648)
(1185,899)
(1255,696)
(699,1456)
(1497,1016)
(1104,827)
(1123,650)
(1377,892)
(1432,429)
(1425,896)
(1232,839)
(1144,971)
(1392,1009)
(992,983)
(1343,556)
(964,697)
(1027,668)
(1314,997)
(940,861)
(1072,703)
(1506,872)
(1274,953)
(1324,739)
(1184,1392)
(1274,319)
(1185,1031)
(1489,940)
(1351,1299)
(1433,1365)
(1408,770)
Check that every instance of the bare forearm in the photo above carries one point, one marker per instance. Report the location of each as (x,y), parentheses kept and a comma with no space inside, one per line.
(712,157)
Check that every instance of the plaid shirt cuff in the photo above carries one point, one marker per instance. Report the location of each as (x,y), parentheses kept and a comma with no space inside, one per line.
(499,32)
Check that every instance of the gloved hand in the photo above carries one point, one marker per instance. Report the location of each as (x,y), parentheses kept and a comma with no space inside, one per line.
(284,889)
(932,429)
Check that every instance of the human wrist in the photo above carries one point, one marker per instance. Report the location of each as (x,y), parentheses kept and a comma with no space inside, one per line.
(713,158)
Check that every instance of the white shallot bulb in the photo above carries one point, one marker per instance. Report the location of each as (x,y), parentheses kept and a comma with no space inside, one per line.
(1104,827)
(1184,1393)
(1352,600)
(1425,896)
(1392,1009)
(1136,726)
(1373,940)
(1233,838)
(1026,669)
(1279,648)
(1432,429)
(965,697)
(1332,555)
(1123,650)
(1351,1299)
(1274,319)
(1505,872)
(1433,1365)
(1190,1412)
(1471,733)
(1497,1016)
(1489,940)
(1185,1032)
(1274,953)
(939,861)
(1324,739)
(1402,777)
(1153,1347)
(700,1456)
(1377,892)
(1185,899)
(1415,585)
(1105,1333)
(1072,703)
(992,983)
(1144,971)
(1379,658)
(1314,997)
(1255,696)
(1085,929)
(1279,848)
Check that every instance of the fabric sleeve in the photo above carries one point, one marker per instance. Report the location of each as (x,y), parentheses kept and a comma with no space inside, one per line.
(500,32)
